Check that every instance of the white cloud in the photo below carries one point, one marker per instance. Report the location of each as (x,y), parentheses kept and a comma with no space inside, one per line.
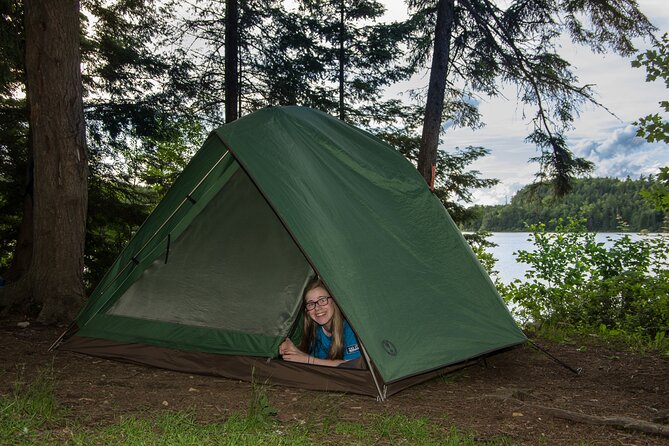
(623,154)
(620,142)
(500,194)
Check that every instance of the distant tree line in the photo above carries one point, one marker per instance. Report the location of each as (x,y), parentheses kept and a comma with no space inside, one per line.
(605,203)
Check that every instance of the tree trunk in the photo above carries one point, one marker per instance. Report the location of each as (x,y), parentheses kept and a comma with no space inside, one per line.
(427,155)
(54,282)
(231,59)
(342,59)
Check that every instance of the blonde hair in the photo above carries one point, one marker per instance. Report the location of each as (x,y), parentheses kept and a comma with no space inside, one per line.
(309,327)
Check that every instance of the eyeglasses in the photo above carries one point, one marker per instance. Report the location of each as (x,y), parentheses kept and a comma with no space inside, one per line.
(321,302)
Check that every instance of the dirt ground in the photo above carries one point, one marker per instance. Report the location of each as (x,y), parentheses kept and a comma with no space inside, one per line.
(512,394)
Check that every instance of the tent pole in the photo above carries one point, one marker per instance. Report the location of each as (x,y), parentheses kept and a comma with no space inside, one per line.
(382,396)
(184,200)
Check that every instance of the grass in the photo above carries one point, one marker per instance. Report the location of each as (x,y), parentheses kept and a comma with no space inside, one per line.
(30,415)
(182,429)
(618,339)
(30,410)
(403,430)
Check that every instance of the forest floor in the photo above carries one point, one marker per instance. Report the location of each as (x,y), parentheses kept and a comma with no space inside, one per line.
(521,395)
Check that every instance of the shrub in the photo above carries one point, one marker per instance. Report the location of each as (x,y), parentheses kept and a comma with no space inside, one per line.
(576,282)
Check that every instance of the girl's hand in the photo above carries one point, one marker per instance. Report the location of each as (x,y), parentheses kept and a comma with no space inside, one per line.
(289,352)
(287,346)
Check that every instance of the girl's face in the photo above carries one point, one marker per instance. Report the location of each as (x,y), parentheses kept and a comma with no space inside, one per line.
(321,314)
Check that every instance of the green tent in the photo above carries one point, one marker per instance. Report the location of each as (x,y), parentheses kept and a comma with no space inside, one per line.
(212,281)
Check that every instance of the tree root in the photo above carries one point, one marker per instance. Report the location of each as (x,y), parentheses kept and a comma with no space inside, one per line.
(616,421)
(628,423)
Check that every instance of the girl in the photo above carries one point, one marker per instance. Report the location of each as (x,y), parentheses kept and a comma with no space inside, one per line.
(327,336)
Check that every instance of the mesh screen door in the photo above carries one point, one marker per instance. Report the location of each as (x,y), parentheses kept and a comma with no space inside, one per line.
(234,268)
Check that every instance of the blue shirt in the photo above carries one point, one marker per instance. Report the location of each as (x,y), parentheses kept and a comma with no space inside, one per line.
(322,344)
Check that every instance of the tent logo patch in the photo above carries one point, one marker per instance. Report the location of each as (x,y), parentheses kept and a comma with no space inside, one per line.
(389,347)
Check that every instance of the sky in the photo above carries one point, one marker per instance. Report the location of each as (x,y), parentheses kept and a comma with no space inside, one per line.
(607,140)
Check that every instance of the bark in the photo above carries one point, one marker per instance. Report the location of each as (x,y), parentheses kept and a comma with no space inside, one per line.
(54,282)
(427,155)
(231,59)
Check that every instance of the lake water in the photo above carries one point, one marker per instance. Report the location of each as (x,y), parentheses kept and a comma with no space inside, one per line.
(510,242)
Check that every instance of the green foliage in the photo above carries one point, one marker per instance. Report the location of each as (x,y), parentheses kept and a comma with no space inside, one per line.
(182,429)
(177,428)
(578,283)
(141,127)
(29,409)
(656,62)
(260,410)
(300,56)
(657,194)
(653,128)
(14,159)
(480,244)
(358,54)
(604,201)
(295,57)
(400,429)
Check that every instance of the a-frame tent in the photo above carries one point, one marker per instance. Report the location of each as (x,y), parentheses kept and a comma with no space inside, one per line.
(212,281)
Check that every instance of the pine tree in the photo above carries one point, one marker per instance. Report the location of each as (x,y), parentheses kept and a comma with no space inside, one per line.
(52,285)
(480,45)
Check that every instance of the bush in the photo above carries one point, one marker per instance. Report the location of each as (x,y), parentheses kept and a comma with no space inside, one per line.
(576,282)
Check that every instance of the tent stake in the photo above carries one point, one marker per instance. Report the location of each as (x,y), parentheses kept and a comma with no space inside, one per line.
(58,341)
(562,363)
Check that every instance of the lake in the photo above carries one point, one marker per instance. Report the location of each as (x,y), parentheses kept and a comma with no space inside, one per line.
(510,242)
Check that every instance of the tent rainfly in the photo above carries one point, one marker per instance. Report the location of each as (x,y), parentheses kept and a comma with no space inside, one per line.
(212,281)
